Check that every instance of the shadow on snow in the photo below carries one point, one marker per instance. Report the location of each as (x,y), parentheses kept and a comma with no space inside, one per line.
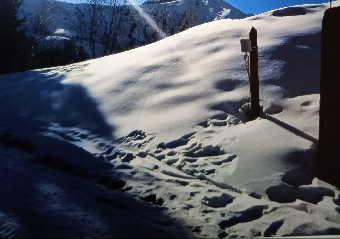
(45,99)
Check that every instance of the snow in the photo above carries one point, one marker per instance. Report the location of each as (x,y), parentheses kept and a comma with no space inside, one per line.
(57,38)
(154,142)
(225,12)
(64,32)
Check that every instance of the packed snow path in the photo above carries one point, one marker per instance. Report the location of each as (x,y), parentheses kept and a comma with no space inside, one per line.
(79,154)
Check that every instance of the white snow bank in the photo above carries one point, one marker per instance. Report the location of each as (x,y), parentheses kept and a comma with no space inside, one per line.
(169,120)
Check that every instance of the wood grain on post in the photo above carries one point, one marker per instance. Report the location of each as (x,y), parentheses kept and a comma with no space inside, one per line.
(254,75)
(329,132)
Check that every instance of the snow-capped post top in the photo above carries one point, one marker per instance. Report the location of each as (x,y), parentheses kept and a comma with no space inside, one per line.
(245,45)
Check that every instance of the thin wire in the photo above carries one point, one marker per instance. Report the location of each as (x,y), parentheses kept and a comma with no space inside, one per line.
(146,96)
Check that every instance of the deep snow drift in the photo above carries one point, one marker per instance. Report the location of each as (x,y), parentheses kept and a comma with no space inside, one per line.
(86,145)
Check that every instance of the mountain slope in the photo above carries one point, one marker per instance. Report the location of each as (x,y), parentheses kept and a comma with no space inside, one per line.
(53,21)
(208,10)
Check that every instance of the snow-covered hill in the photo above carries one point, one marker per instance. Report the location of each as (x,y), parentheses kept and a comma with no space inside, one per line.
(154,142)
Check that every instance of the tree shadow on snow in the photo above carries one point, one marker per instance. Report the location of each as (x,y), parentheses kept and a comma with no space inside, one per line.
(41,200)
(44,98)
(63,190)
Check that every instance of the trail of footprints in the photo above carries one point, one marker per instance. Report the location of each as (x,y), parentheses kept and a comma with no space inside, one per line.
(198,161)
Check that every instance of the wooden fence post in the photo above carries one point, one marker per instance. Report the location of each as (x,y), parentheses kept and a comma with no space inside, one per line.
(329,132)
(254,76)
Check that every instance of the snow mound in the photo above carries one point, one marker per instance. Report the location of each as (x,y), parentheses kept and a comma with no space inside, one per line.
(295,10)
(158,137)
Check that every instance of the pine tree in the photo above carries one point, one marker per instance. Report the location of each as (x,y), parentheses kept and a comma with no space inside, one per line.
(12,38)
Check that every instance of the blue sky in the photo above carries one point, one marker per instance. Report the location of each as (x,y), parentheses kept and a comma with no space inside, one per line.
(253,6)
(259,6)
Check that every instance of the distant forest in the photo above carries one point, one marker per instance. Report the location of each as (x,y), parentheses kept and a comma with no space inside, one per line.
(20,52)
(101,27)
(29,37)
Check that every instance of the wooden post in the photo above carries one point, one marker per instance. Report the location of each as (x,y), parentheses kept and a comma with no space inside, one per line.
(329,132)
(254,76)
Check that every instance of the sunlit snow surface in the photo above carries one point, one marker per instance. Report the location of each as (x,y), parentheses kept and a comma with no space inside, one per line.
(86,144)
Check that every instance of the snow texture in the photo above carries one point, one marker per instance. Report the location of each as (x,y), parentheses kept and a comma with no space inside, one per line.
(154,142)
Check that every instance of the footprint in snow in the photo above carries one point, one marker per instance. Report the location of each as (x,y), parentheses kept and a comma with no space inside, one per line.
(192,194)
(250,214)
(176,143)
(284,193)
(208,165)
(178,182)
(133,136)
(171,161)
(218,120)
(297,178)
(306,103)
(273,228)
(272,109)
(218,201)
(153,199)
